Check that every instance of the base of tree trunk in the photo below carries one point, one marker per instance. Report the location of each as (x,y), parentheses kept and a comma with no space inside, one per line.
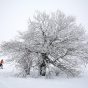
(43,66)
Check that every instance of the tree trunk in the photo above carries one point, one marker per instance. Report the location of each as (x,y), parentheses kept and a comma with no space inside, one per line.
(27,70)
(43,65)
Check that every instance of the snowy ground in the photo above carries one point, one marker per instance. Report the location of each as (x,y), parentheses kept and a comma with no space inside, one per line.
(8,81)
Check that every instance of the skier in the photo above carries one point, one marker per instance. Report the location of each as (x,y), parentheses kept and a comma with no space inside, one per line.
(1,64)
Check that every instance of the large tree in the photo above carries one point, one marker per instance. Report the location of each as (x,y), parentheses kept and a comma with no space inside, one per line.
(51,41)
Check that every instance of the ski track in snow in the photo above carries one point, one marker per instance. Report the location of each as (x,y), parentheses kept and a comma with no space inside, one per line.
(7,80)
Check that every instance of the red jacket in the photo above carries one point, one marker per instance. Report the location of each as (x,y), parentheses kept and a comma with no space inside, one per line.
(1,62)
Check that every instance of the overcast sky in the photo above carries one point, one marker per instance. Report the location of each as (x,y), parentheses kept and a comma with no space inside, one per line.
(14,14)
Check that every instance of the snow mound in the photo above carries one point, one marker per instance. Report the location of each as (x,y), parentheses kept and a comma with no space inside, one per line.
(7,80)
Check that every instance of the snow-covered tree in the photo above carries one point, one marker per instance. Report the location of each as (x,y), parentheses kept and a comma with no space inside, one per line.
(53,43)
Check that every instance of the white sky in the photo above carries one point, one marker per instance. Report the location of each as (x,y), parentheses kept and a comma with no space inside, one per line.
(14,14)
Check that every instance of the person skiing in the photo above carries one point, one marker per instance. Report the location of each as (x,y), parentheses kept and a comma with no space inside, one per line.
(1,63)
